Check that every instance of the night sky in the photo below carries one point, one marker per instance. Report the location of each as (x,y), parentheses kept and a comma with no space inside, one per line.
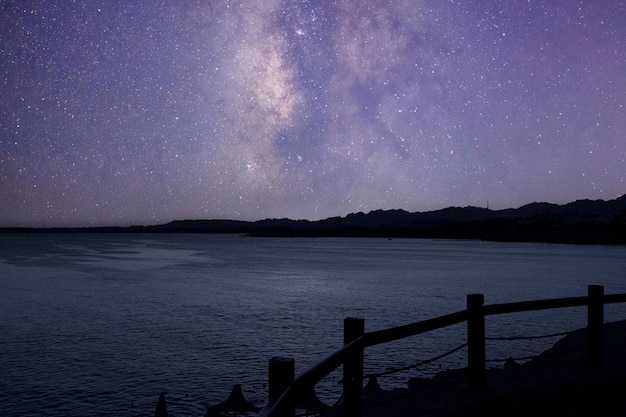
(141,112)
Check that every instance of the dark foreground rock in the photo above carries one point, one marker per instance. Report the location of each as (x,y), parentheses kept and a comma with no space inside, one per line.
(557,383)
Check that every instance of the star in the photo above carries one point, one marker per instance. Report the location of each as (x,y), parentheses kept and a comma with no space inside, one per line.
(141,114)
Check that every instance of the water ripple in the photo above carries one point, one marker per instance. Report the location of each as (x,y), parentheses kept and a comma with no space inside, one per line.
(100,325)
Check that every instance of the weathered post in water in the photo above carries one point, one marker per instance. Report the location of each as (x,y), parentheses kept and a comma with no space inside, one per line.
(281,375)
(353,328)
(476,355)
(595,326)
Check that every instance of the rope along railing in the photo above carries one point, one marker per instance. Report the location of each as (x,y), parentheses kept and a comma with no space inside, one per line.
(412,391)
(416,365)
(530,357)
(284,390)
(424,362)
(543,336)
(456,349)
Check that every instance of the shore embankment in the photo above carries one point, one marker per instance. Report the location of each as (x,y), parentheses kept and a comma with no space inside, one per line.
(556,383)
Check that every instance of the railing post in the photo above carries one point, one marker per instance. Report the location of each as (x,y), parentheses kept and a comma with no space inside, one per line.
(353,328)
(281,375)
(595,326)
(476,356)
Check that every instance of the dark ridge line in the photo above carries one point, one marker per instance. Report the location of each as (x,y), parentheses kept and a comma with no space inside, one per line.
(579,222)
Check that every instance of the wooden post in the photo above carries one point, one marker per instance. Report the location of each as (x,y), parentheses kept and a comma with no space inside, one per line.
(476,356)
(595,326)
(353,328)
(281,375)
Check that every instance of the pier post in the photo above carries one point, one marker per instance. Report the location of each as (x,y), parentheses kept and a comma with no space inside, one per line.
(595,326)
(476,356)
(353,328)
(281,375)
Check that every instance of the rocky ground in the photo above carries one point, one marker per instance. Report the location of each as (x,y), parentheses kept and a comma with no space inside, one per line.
(557,383)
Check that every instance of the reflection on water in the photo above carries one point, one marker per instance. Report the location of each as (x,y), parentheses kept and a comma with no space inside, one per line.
(100,324)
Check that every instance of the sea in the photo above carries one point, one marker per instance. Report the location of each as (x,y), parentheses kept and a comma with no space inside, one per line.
(101,324)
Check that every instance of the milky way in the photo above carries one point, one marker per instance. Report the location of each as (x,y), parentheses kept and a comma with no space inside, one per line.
(116,113)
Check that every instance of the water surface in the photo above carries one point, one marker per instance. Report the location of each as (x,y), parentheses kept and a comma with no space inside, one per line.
(100,324)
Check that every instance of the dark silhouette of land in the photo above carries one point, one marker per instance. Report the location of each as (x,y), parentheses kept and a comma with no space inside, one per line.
(582,222)
(558,382)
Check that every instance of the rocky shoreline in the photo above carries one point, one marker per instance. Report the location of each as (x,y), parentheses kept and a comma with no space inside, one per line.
(556,383)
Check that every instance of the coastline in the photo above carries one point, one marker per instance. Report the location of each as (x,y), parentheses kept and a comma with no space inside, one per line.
(579,222)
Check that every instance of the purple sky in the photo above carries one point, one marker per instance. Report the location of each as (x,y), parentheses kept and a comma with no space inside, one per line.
(119,112)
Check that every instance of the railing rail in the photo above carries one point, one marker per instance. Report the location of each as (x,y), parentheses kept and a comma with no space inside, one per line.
(350,355)
(413,329)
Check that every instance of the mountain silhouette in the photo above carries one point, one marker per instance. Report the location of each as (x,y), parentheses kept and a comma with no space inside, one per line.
(582,221)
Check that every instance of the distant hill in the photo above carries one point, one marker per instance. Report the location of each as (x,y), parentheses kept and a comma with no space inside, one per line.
(582,221)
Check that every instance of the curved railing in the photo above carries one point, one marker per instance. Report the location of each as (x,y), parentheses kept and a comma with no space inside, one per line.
(284,390)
